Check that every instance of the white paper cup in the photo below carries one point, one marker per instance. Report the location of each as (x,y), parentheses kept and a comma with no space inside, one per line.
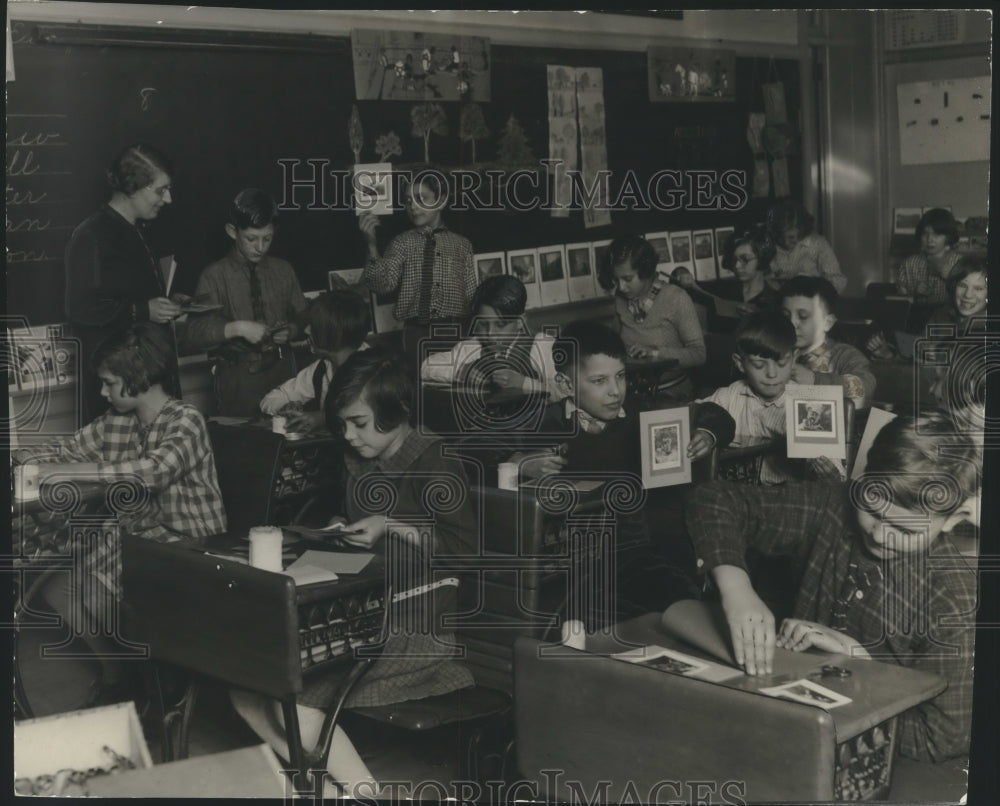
(507,475)
(265,548)
(25,480)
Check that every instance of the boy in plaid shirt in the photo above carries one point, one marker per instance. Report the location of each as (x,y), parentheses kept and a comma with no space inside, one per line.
(877,575)
(148,437)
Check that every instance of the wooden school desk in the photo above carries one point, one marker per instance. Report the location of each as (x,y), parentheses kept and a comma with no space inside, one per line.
(597,719)
(247,627)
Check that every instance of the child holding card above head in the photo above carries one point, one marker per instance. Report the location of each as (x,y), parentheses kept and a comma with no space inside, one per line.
(370,403)
(430,266)
(655,318)
(603,439)
(147,437)
(811,303)
(259,299)
(336,324)
(875,562)
(502,351)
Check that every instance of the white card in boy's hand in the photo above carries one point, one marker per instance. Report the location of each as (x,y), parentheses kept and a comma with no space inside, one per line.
(808,692)
(666,660)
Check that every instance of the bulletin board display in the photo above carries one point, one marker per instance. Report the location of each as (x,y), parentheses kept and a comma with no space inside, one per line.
(944,121)
(231,108)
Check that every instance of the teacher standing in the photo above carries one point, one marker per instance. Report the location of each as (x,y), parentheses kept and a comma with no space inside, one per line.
(112,276)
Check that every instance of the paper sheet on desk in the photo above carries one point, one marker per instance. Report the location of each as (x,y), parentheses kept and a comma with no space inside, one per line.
(306,574)
(702,626)
(339,562)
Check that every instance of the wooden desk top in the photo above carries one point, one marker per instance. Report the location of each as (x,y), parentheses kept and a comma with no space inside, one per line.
(878,691)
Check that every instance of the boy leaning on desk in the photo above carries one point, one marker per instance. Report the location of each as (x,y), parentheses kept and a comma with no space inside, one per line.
(878,576)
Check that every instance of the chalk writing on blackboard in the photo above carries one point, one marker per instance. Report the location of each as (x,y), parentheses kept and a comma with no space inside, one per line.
(146,93)
(36,188)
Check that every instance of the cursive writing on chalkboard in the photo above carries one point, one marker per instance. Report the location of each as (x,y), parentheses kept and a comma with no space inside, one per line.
(28,256)
(28,225)
(36,139)
(14,199)
(21,164)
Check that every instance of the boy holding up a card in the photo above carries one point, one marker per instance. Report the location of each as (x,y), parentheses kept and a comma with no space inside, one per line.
(879,576)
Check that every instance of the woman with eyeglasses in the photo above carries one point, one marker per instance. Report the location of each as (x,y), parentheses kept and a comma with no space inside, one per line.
(747,255)
(113,278)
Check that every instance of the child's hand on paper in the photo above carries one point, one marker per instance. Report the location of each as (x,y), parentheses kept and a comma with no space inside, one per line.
(751,623)
(798,635)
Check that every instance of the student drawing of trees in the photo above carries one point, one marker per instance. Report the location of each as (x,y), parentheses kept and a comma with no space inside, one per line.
(428,119)
(514,151)
(355,134)
(387,145)
(472,126)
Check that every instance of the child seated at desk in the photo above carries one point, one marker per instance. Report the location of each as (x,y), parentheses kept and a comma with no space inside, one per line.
(502,351)
(879,577)
(811,304)
(148,437)
(336,324)
(370,404)
(765,346)
(603,440)
(656,319)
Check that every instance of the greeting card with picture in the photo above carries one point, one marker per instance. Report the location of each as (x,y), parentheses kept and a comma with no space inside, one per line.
(808,692)
(704,255)
(552,267)
(665,435)
(680,250)
(489,264)
(600,257)
(723,235)
(660,241)
(663,659)
(580,266)
(814,421)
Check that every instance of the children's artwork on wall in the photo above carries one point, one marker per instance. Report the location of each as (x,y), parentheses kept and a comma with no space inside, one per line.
(704,255)
(944,121)
(905,220)
(600,249)
(814,420)
(660,241)
(472,127)
(523,264)
(691,74)
(665,435)
(489,264)
(680,249)
(552,266)
(562,134)
(428,119)
(722,237)
(372,185)
(593,147)
(580,261)
(407,66)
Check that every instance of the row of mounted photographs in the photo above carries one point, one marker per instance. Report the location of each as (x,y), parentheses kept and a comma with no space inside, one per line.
(558,274)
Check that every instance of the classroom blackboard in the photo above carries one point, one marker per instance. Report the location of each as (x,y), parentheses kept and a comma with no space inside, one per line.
(228,107)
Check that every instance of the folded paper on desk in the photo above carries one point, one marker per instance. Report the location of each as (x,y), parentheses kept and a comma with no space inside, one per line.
(338,562)
(306,574)
(702,625)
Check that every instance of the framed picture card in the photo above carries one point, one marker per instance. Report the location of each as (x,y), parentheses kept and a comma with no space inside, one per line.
(704,255)
(680,250)
(600,255)
(552,268)
(382,317)
(665,435)
(660,241)
(814,421)
(489,264)
(580,267)
(523,264)
(723,235)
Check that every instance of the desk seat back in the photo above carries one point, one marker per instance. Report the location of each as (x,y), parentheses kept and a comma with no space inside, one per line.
(218,617)
(655,736)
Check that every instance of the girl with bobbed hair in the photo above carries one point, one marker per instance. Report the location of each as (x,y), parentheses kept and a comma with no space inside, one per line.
(799,250)
(748,256)
(923,276)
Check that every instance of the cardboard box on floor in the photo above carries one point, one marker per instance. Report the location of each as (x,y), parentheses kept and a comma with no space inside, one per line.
(76,740)
(250,772)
